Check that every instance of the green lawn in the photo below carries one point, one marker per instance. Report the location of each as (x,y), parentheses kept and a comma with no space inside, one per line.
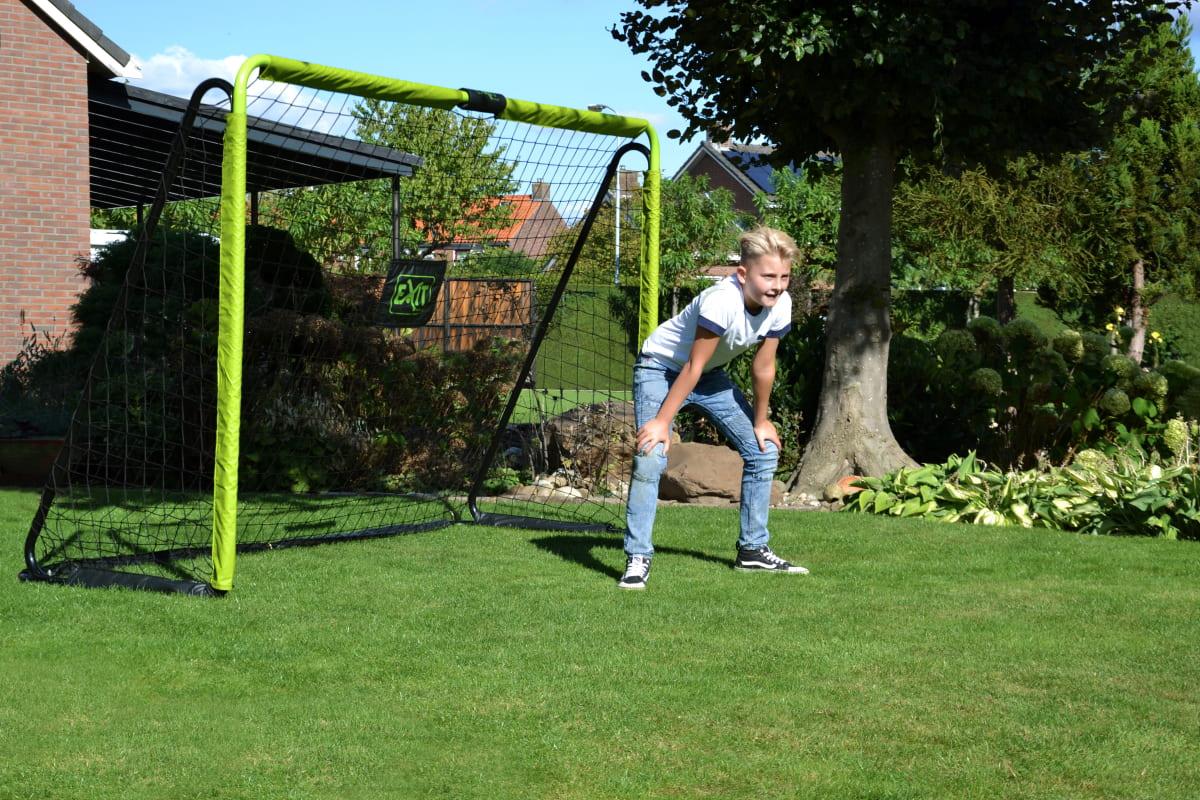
(585,348)
(1044,318)
(553,402)
(919,660)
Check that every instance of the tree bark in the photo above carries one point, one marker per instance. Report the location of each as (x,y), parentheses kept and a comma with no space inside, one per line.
(1137,312)
(1006,301)
(851,434)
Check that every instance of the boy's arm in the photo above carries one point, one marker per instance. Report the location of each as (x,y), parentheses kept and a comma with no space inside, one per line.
(659,429)
(762,373)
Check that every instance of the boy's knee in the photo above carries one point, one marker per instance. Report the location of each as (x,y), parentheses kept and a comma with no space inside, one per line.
(649,466)
(761,462)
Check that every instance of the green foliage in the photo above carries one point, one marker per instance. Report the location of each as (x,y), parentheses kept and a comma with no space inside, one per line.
(1178,320)
(944,81)
(1069,345)
(201,215)
(327,403)
(1095,494)
(357,408)
(807,206)
(973,230)
(926,313)
(1010,394)
(875,82)
(1139,193)
(700,228)
(448,198)
(38,388)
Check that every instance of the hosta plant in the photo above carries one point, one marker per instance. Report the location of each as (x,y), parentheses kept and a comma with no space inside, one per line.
(1096,493)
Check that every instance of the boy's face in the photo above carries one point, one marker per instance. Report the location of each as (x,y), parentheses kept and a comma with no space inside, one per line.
(764,279)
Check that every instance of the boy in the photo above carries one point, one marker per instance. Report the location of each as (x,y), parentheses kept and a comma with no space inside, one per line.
(680,364)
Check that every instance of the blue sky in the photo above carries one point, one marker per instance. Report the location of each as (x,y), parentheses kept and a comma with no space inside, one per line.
(550,51)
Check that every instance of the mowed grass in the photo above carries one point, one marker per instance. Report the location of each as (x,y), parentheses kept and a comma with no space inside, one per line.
(586,347)
(918,660)
(545,403)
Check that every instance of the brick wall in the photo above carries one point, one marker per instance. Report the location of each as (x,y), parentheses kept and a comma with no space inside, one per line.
(718,176)
(43,175)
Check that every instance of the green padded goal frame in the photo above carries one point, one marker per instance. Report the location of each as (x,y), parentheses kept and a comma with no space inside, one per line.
(233,225)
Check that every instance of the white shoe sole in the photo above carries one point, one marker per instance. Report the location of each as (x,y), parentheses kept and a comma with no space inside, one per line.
(793,571)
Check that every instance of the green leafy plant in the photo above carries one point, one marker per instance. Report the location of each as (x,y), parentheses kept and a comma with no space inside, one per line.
(1095,494)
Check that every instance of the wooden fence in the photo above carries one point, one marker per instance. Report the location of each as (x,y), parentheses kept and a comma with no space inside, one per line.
(474,309)
(469,310)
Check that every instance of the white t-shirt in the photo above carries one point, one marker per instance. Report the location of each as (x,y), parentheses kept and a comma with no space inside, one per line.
(721,309)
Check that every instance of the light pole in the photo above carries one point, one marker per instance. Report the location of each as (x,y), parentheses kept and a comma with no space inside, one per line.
(600,107)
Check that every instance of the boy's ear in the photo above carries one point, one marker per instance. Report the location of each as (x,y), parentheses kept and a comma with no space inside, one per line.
(741,273)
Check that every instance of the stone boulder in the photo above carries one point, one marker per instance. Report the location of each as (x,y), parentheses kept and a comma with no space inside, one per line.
(705,474)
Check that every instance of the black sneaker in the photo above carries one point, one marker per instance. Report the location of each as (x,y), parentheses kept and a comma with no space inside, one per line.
(763,560)
(637,570)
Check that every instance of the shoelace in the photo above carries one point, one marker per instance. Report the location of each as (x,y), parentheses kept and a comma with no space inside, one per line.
(637,567)
(770,557)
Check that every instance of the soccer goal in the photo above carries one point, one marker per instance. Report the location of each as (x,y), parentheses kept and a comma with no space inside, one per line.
(357,307)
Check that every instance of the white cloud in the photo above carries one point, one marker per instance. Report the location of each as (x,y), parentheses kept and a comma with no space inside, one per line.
(178,70)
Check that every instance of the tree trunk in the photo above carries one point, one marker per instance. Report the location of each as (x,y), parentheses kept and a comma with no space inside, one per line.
(851,434)
(1006,301)
(1137,312)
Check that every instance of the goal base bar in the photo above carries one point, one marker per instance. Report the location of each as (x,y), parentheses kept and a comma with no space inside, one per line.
(538,524)
(93,578)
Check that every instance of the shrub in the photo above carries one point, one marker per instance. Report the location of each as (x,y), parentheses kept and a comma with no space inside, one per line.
(38,388)
(327,403)
(1178,320)
(358,408)
(1069,345)
(987,382)
(1114,402)
(1023,337)
(1096,494)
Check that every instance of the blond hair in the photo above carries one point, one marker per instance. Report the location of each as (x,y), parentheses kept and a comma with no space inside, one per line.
(762,241)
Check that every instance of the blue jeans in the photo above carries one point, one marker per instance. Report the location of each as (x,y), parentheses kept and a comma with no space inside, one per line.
(725,404)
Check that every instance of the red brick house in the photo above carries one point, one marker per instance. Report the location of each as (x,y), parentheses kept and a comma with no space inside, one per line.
(47,52)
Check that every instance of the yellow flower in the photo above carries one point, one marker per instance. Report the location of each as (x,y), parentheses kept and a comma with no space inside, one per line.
(1120,312)
(1156,336)
(1110,327)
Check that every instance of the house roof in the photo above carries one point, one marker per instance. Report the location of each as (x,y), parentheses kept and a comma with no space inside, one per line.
(105,57)
(746,163)
(531,224)
(131,131)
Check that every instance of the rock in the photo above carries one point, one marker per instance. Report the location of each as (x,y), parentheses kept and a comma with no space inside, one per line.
(833,492)
(594,441)
(701,470)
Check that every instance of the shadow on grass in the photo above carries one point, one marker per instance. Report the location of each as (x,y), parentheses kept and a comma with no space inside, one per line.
(579,550)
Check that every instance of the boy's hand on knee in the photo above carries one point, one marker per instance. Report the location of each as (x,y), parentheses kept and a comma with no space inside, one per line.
(765,432)
(651,434)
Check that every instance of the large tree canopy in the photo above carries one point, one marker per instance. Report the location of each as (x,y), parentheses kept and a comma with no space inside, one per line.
(958,83)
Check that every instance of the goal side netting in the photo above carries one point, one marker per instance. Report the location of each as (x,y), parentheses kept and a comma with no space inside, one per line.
(358,307)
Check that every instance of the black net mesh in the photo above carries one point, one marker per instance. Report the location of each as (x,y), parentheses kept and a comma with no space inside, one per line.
(400,264)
